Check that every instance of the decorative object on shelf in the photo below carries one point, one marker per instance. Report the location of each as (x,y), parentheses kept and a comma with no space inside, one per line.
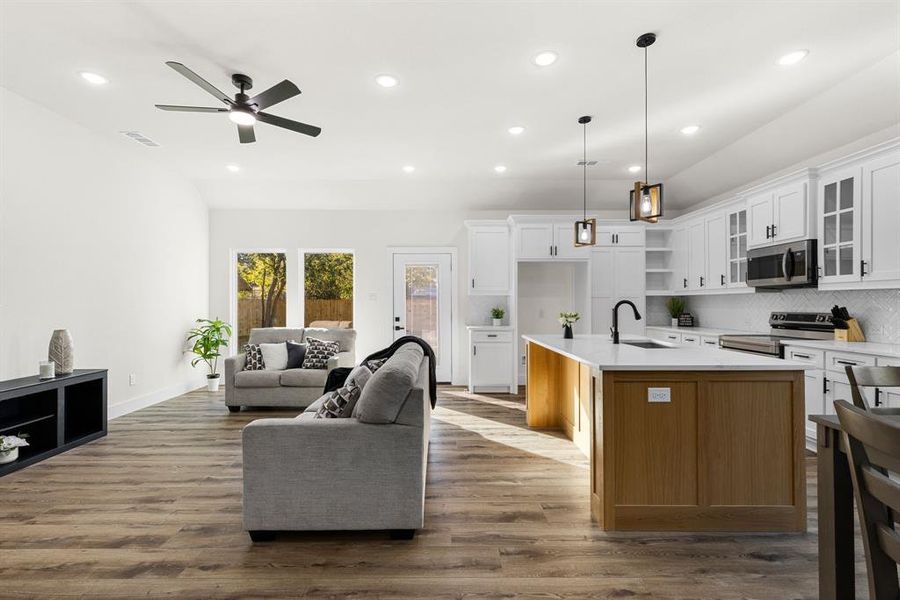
(567,319)
(646,199)
(9,447)
(497,314)
(62,352)
(685,320)
(208,337)
(46,369)
(675,306)
(586,229)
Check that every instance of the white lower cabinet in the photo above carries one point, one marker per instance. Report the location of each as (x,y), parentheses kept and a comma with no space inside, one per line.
(690,339)
(491,360)
(709,341)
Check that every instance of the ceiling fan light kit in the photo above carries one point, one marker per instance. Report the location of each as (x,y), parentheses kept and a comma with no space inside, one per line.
(244,111)
(645,201)
(585,229)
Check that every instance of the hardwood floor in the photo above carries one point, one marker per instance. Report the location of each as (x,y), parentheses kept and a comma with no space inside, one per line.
(154,510)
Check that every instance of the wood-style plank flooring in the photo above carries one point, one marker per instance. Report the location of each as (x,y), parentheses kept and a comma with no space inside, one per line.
(154,510)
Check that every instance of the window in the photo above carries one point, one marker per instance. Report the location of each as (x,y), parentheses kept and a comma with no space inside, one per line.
(328,289)
(261,293)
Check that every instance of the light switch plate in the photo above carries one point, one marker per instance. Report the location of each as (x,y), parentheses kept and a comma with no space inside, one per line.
(663,394)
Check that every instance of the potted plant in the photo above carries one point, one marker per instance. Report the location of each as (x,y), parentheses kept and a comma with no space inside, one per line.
(9,447)
(675,306)
(567,319)
(209,336)
(497,314)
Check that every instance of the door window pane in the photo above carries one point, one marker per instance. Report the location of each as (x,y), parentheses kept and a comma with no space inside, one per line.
(846,267)
(847,193)
(261,293)
(830,229)
(742,221)
(742,246)
(422,310)
(732,223)
(328,289)
(830,261)
(734,271)
(743,270)
(847,226)
(830,197)
(733,247)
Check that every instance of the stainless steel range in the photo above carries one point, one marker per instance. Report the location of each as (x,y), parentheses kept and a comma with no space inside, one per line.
(784,325)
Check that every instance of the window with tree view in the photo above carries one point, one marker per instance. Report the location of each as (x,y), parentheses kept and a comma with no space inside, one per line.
(261,292)
(328,289)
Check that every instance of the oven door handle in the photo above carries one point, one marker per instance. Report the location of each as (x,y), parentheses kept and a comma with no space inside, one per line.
(787,258)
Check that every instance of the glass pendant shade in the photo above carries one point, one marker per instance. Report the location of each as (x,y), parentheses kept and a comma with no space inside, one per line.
(649,204)
(586,232)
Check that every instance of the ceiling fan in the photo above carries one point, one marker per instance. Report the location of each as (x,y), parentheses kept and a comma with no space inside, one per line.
(244,111)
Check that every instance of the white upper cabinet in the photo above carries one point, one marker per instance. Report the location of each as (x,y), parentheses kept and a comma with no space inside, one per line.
(716,252)
(679,260)
(696,255)
(839,222)
(534,240)
(781,214)
(624,235)
(759,214)
(564,241)
(737,248)
(488,259)
(881,218)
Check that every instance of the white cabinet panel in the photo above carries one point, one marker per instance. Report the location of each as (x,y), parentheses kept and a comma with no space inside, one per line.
(491,365)
(630,237)
(601,315)
(603,273)
(630,272)
(759,219)
(680,260)
(790,213)
(535,240)
(696,242)
(881,218)
(488,260)
(564,242)
(839,226)
(716,252)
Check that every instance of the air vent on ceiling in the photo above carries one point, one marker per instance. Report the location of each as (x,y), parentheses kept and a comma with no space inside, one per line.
(589,163)
(140,138)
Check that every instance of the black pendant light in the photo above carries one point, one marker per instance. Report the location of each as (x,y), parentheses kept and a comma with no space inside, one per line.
(646,199)
(586,229)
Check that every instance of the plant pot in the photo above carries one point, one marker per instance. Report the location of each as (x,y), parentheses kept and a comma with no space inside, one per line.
(674,321)
(497,322)
(567,332)
(212,382)
(9,456)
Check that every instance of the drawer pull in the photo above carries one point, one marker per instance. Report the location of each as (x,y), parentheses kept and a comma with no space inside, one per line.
(492,335)
(847,362)
(807,356)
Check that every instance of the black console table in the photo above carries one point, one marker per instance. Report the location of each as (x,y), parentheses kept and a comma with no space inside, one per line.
(57,414)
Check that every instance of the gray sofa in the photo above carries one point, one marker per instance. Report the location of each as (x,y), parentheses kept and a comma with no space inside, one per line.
(294,388)
(363,472)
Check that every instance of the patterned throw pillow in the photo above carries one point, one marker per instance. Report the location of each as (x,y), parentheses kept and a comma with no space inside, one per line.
(254,358)
(376,364)
(340,402)
(318,352)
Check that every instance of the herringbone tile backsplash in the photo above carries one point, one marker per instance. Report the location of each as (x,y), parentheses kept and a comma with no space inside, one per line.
(878,311)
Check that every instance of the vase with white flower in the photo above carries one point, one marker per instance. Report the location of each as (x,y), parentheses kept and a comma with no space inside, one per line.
(9,447)
(567,319)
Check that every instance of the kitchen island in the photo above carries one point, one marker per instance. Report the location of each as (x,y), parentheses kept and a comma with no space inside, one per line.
(679,438)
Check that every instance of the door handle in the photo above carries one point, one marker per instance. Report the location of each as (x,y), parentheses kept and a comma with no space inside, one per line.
(701,281)
(768,231)
(722,280)
(685,282)
(849,363)
(773,229)
(473,282)
(877,397)
(474,350)
(551,249)
(824,385)
(398,328)
(862,268)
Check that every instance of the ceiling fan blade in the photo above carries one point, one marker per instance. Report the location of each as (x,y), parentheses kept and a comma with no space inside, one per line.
(246,134)
(288,124)
(200,81)
(275,94)
(200,109)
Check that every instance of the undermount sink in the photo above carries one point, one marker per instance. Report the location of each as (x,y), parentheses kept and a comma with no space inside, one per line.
(647,344)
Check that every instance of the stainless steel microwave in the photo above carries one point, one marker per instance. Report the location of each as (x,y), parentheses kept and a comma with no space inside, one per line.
(783,266)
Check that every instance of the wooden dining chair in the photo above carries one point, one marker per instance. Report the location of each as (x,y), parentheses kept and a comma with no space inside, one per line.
(876,377)
(873,447)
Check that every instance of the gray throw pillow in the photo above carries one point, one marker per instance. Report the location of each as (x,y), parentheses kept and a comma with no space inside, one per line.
(360,376)
(318,352)
(296,353)
(386,391)
(340,402)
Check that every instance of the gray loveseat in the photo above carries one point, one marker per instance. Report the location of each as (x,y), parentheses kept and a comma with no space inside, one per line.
(294,388)
(363,472)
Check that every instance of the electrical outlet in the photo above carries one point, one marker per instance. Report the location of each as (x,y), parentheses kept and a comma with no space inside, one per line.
(132,379)
(659,394)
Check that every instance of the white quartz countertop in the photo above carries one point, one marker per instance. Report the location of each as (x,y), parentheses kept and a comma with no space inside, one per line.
(599,351)
(701,330)
(873,348)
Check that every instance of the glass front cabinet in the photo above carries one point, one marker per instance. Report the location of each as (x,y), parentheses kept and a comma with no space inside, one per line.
(737,248)
(839,226)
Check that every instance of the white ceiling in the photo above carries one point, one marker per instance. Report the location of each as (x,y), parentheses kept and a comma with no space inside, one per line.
(465,77)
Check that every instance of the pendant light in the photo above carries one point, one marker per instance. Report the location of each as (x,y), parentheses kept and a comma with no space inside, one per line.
(586,229)
(646,200)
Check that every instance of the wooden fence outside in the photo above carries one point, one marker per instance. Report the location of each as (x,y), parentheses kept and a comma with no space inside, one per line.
(328,310)
(250,316)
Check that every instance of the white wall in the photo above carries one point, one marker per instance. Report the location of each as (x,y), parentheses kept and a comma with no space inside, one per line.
(97,238)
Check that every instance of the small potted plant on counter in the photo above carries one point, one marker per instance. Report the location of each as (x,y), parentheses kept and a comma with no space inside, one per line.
(675,306)
(208,337)
(497,314)
(567,319)
(9,447)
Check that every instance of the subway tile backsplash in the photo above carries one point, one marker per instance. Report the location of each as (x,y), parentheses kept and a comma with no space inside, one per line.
(878,311)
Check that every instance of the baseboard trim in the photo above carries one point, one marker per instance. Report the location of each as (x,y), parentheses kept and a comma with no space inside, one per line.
(129,406)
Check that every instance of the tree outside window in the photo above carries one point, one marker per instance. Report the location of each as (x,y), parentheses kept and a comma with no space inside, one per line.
(328,289)
(261,301)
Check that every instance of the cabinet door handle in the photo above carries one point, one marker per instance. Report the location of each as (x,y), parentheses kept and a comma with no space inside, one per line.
(701,281)
(722,280)
(474,350)
(862,268)
(824,385)
(773,229)
(768,231)
(849,363)
(473,282)
(877,397)
(492,335)
(807,356)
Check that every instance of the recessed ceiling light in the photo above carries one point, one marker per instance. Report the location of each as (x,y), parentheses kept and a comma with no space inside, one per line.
(233,168)
(690,129)
(792,58)
(93,78)
(385,80)
(500,169)
(634,168)
(545,58)
(408,169)
(517,130)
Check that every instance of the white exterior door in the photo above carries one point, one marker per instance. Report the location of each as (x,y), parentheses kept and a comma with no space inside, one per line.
(881,219)
(759,219)
(422,304)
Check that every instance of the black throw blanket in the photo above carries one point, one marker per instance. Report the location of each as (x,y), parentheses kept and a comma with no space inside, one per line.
(338,376)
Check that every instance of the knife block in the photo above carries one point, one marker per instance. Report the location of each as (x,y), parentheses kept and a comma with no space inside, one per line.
(853,333)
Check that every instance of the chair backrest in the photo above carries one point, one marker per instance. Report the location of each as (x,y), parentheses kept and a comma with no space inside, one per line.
(876,377)
(873,446)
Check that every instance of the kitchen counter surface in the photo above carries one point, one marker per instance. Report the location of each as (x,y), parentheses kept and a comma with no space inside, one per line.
(599,351)
(872,348)
(711,331)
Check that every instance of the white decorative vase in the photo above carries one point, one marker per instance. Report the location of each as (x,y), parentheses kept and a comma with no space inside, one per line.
(674,321)
(9,456)
(212,383)
(497,322)
(62,352)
